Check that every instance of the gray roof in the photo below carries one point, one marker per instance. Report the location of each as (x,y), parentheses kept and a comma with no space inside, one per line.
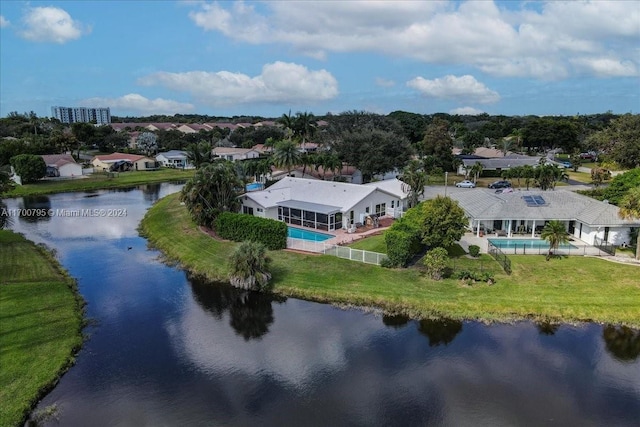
(327,196)
(485,204)
(308,206)
(502,163)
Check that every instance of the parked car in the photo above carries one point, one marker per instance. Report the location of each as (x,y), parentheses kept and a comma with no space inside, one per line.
(566,164)
(466,184)
(500,184)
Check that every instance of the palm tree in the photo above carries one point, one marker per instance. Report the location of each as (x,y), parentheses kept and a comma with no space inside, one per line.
(528,173)
(248,266)
(555,233)
(199,154)
(288,122)
(476,171)
(263,169)
(630,209)
(414,179)
(304,127)
(286,155)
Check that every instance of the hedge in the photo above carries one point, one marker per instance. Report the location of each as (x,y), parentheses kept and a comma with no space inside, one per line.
(403,241)
(241,227)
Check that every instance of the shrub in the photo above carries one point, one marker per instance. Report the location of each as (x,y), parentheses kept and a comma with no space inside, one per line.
(403,239)
(240,227)
(474,250)
(435,262)
(387,263)
(471,277)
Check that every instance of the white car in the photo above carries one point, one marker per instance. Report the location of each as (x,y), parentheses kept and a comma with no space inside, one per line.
(466,184)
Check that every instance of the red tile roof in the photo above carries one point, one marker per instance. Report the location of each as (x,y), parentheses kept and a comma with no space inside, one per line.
(120,156)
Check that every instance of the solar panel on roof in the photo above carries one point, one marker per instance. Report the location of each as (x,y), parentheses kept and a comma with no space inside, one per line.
(534,200)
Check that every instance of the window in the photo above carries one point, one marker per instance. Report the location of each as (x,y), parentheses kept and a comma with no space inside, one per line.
(260,209)
(393,204)
(247,210)
(366,209)
(381,209)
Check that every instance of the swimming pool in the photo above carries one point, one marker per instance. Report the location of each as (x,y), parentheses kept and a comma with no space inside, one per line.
(314,236)
(254,186)
(526,243)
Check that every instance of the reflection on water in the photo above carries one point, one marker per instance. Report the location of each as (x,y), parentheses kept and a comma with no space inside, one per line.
(250,313)
(35,208)
(439,331)
(622,342)
(547,328)
(170,350)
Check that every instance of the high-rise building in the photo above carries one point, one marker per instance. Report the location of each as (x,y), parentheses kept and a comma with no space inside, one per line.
(101,116)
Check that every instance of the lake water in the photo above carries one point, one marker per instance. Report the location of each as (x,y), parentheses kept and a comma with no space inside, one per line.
(165,350)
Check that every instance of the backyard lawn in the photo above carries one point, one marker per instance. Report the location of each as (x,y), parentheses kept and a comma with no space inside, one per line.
(567,289)
(40,325)
(99,181)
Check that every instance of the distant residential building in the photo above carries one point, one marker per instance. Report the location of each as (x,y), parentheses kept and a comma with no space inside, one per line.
(101,116)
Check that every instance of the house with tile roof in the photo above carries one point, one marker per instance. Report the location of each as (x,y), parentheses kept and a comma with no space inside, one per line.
(62,165)
(526,212)
(325,205)
(123,162)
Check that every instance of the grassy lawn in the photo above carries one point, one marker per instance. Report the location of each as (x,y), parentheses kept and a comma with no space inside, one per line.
(568,289)
(40,325)
(99,181)
(579,176)
(371,243)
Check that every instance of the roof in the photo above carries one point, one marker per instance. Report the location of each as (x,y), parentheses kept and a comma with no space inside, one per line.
(503,162)
(115,157)
(311,192)
(232,150)
(173,154)
(58,160)
(391,186)
(485,204)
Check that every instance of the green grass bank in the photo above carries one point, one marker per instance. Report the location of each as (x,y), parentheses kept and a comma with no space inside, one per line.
(572,289)
(41,320)
(99,181)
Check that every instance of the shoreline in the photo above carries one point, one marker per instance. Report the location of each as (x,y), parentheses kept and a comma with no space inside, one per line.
(45,352)
(326,279)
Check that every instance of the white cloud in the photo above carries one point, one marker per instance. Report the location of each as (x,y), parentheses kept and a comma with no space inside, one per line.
(51,24)
(137,103)
(542,42)
(452,87)
(466,111)
(606,67)
(384,82)
(4,22)
(279,82)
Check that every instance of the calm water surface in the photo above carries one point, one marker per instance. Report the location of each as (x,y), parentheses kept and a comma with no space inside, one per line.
(169,351)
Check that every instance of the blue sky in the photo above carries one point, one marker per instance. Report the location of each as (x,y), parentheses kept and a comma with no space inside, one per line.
(266,58)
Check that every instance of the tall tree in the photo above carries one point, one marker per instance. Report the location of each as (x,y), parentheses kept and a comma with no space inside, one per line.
(305,127)
(147,142)
(620,140)
(444,222)
(437,142)
(199,153)
(630,209)
(288,122)
(214,189)
(373,151)
(286,155)
(555,233)
(414,179)
(29,167)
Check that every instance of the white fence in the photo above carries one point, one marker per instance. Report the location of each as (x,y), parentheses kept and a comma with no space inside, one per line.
(345,252)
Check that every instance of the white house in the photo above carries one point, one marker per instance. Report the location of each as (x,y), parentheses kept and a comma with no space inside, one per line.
(233,154)
(63,165)
(174,159)
(526,212)
(325,205)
